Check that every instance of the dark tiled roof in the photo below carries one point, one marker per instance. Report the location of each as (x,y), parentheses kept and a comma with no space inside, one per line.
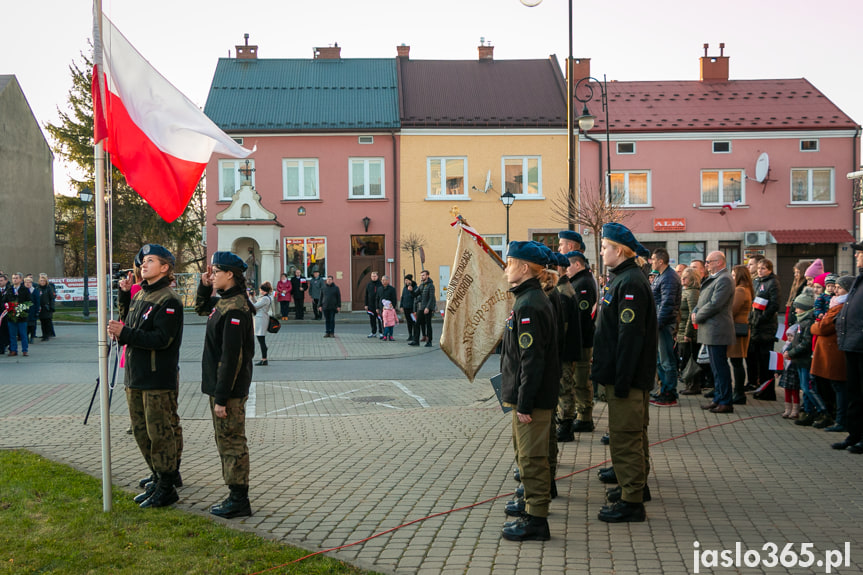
(297,95)
(475,94)
(837,236)
(4,79)
(716,106)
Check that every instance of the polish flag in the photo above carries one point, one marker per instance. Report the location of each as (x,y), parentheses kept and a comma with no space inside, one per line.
(777,361)
(760,303)
(157,137)
(731,206)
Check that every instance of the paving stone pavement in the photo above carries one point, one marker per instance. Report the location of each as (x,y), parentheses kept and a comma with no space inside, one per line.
(335,462)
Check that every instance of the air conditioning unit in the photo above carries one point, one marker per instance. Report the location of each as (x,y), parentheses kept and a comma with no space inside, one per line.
(755,239)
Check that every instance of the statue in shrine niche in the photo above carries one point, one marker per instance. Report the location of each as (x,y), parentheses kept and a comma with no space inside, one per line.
(251,272)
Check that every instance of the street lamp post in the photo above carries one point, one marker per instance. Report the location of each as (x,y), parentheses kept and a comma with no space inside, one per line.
(86,197)
(507,199)
(570,131)
(586,121)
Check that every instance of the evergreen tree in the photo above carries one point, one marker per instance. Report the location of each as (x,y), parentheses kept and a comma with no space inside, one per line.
(134,222)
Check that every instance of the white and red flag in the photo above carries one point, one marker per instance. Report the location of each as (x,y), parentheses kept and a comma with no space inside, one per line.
(777,361)
(159,139)
(760,303)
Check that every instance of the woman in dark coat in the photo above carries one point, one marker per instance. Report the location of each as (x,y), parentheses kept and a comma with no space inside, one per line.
(48,295)
(762,326)
(740,308)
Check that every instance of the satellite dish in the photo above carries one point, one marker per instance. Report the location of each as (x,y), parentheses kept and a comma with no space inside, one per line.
(762,167)
(487,182)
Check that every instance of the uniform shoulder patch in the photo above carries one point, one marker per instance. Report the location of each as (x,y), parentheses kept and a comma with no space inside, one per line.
(583,305)
(525,340)
(627,315)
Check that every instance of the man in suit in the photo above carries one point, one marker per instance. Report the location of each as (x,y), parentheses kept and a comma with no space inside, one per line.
(715,323)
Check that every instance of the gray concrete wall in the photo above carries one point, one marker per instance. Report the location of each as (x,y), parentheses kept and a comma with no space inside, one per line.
(26,188)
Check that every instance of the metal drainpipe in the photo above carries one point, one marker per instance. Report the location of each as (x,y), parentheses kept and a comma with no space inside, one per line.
(395,209)
(854,168)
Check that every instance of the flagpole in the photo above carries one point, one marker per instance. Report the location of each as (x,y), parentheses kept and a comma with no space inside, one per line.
(102,286)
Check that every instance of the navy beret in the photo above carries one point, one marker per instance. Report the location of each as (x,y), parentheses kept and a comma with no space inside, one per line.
(229,260)
(577,254)
(572,236)
(620,234)
(561,260)
(154,250)
(528,251)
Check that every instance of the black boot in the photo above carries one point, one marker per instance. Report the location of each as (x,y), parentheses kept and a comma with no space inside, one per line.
(607,475)
(622,512)
(528,528)
(236,505)
(165,493)
(581,426)
(142,483)
(564,431)
(614,494)
(515,508)
(149,489)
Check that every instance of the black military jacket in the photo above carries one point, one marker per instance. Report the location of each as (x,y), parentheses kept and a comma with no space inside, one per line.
(570,320)
(152,335)
(229,343)
(529,360)
(624,348)
(585,290)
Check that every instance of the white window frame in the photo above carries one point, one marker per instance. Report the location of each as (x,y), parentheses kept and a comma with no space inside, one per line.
(809,199)
(237,164)
(634,148)
(714,150)
(366,195)
(722,200)
(443,160)
(524,170)
(499,249)
(301,182)
(626,173)
(817,144)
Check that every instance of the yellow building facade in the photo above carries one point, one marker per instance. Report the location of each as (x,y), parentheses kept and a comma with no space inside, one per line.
(468,170)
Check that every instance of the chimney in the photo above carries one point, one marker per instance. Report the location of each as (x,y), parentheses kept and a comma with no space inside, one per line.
(714,68)
(403,52)
(580,69)
(329,52)
(486,51)
(247,52)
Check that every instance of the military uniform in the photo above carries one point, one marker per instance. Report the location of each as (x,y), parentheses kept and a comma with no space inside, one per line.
(570,353)
(624,361)
(152,336)
(584,286)
(530,381)
(229,346)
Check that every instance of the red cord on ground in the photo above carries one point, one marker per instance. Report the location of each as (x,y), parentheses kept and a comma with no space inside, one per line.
(390,530)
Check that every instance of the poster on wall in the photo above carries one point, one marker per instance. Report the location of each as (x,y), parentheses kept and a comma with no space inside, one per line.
(308,254)
(72,289)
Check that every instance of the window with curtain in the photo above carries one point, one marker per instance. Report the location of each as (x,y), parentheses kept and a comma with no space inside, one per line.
(366,177)
(630,189)
(230,177)
(521,175)
(811,186)
(721,187)
(300,179)
(447,177)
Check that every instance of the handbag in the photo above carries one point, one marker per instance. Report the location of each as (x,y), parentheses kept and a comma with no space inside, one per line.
(273,326)
(703,357)
(691,371)
(741,329)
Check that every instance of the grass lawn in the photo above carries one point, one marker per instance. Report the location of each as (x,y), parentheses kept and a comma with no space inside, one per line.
(51,521)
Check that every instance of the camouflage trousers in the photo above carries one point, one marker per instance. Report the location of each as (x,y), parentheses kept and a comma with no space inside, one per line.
(231,441)
(154,424)
(583,388)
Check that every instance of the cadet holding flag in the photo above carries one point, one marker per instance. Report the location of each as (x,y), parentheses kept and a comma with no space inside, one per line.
(624,361)
(152,330)
(530,378)
(226,371)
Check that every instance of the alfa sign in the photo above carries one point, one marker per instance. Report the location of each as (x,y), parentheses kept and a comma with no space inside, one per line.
(669,224)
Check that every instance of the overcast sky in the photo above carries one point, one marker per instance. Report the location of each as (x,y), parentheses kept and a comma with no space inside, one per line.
(625,39)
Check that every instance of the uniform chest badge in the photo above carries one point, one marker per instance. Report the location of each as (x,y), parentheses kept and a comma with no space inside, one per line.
(147,314)
(211,313)
(627,315)
(525,340)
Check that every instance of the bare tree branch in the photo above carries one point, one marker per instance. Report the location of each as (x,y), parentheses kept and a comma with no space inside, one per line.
(411,244)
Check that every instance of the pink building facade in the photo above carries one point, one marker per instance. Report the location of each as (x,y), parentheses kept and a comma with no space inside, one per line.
(741,166)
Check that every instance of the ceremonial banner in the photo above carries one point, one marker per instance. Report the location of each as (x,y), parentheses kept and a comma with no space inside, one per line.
(477,302)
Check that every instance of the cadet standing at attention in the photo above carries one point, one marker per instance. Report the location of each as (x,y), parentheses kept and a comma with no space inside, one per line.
(584,285)
(624,361)
(152,335)
(226,372)
(530,378)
